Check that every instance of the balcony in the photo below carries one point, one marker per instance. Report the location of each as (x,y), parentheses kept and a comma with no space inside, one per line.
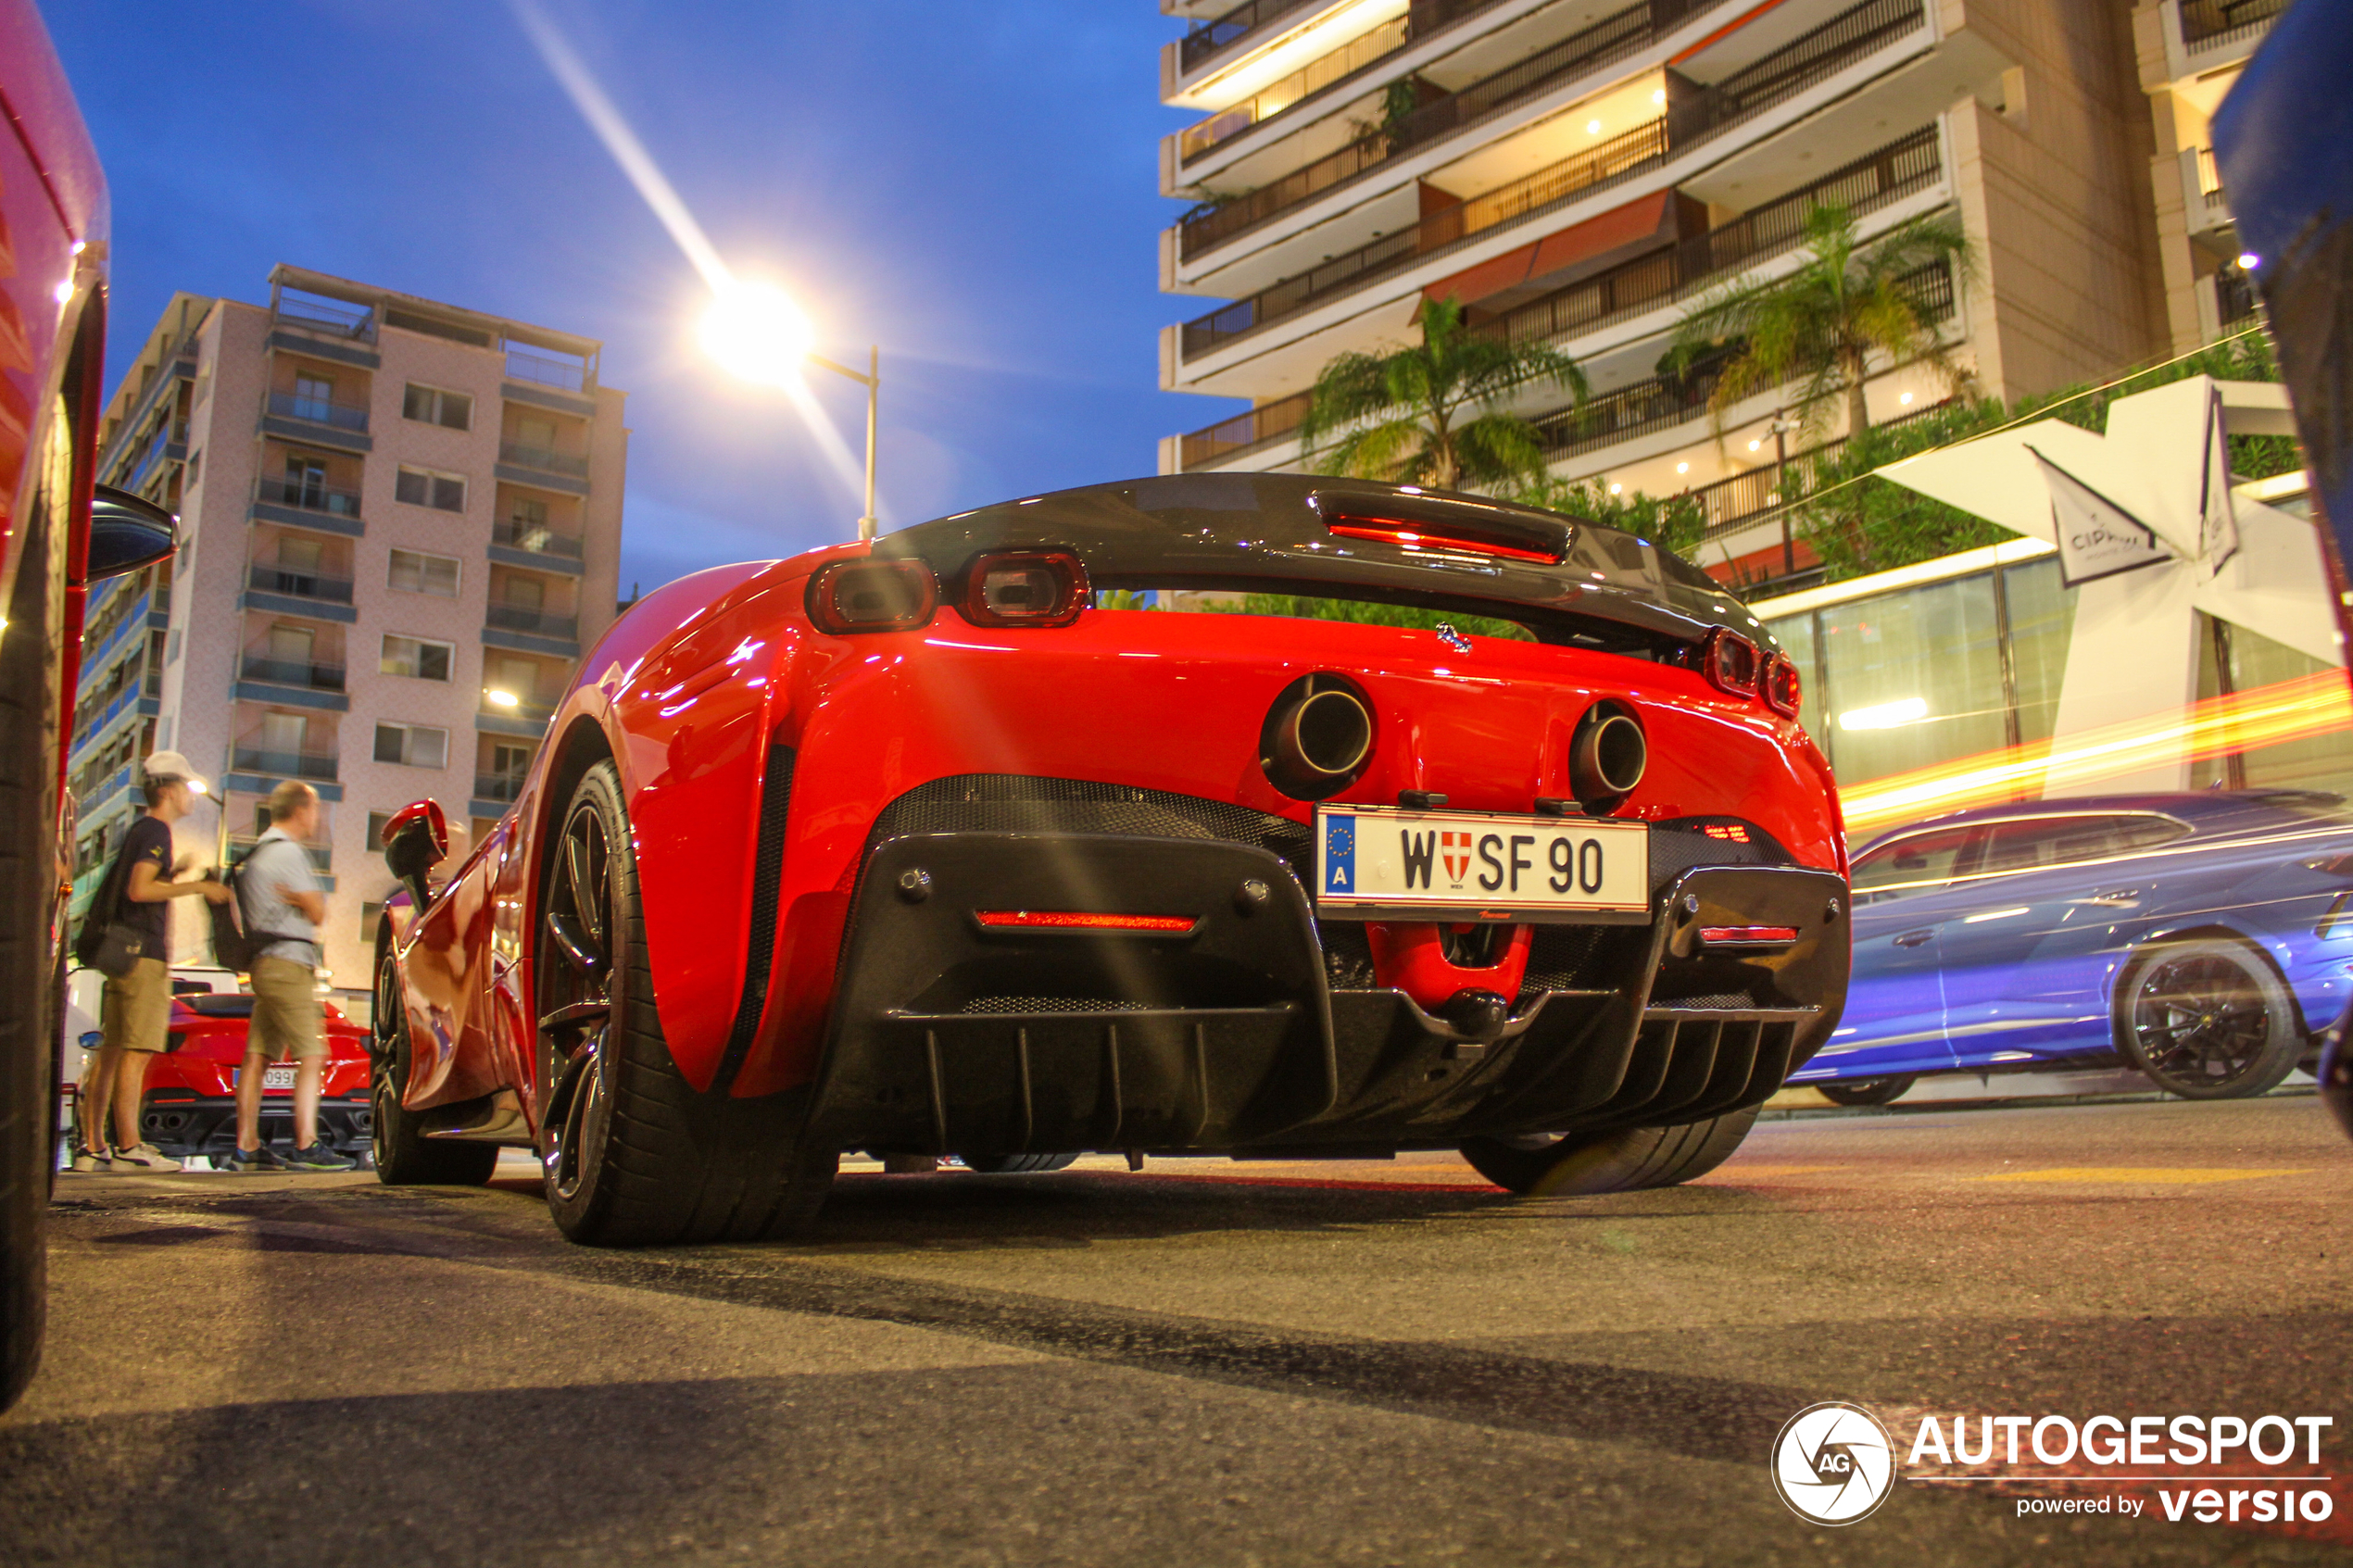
(300,584)
(328,318)
(538,540)
(504,789)
(282,764)
(542,459)
(305,497)
(309,674)
(2207,23)
(324,411)
(1696,119)
(539,623)
(1214,37)
(1268,421)
(521,716)
(321,856)
(547,369)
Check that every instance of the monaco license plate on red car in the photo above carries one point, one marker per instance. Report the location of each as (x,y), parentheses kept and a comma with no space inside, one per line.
(272,1078)
(1383,862)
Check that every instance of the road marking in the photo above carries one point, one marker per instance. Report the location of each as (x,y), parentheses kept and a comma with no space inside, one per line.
(2138,1174)
(1747,1170)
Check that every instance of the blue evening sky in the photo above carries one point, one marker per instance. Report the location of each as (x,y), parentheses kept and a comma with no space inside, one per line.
(972,186)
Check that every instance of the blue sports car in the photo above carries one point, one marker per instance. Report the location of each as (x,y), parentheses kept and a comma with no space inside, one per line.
(2202,938)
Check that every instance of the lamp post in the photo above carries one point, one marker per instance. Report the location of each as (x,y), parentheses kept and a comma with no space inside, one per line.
(759,333)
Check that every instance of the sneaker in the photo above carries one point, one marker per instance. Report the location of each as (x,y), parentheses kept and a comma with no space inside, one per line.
(245,1160)
(318,1157)
(93,1162)
(144,1158)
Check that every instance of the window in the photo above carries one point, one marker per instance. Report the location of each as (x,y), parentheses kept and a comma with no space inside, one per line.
(419,488)
(1913,864)
(195,465)
(313,396)
(2040,841)
(172,648)
(416,657)
(530,432)
(298,554)
(414,572)
(376,821)
(370,914)
(519,676)
(525,593)
(436,406)
(527,513)
(416,746)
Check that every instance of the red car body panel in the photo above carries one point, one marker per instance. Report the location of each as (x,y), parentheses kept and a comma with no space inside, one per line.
(706,686)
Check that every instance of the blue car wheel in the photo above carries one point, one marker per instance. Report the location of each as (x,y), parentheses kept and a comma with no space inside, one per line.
(2207,1019)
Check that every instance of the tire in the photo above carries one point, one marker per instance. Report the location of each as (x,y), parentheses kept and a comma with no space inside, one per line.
(1630,1159)
(403,1156)
(1015,1165)
(634,1154)
(2209,1019)
(30,739)
(1868,1091)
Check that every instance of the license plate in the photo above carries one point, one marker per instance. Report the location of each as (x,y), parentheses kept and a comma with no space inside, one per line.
(272,1078)
(1378,862)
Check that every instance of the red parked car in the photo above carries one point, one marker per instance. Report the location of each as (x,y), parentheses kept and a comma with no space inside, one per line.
(920,848)
(56,538)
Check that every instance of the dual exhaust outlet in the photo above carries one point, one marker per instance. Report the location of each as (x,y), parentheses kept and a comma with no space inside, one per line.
(1319,736)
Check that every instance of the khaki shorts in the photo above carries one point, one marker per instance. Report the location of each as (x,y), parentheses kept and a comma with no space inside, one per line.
(286,1018)
(134,1012)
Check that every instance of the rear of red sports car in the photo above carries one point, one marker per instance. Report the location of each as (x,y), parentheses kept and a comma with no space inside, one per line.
(934,850)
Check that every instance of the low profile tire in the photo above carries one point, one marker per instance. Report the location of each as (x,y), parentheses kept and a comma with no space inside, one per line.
(2207,1019)
(1016,1164)
(1868,1091)
(634,1154)
(1570,1164)
(403,1156)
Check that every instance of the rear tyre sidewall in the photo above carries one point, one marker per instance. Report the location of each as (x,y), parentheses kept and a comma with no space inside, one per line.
(1627,1159)
(402,1155)
(2284,1047)
(1868,1091)
(1016,1164)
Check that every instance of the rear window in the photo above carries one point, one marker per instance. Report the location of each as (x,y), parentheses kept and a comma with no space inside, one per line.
(1916,864)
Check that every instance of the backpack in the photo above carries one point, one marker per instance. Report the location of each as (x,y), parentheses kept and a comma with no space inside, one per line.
(103,942)
(232,947)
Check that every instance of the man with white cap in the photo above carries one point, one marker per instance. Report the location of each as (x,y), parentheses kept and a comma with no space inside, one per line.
(135,1014)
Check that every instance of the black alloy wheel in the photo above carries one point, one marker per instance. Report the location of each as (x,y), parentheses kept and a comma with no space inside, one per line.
(1627,1160)
(398,1147)
(1868,1091)
(2207,1019)
(577,1004)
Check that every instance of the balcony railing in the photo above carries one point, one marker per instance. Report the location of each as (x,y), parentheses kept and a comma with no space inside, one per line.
(301,584)
(1610,39)
(1264,423)
(1305,82)
(334,318)
(2209,21)
(504,787)
(542,459)
(1221,33)
(282,764)
(515,618)
(1838,42)
(547,369)
(319,411)
(313,675)
(306,495)
(536,538)
(321,855)
(537,712)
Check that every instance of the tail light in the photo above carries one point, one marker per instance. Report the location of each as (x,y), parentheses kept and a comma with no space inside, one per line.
(1457,523)
(1785,693)
(1731,663)
(1025,588)
(873,595)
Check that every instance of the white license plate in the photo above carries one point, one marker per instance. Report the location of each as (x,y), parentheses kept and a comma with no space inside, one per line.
(1375,862)
(272,1078)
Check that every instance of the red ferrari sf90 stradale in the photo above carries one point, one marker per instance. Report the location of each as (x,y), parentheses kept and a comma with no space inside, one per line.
(920,846)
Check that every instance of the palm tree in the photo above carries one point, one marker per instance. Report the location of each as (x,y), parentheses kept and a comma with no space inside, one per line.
(1818,327)
(1401,416)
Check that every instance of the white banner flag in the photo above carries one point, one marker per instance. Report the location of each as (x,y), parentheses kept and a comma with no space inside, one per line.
(2097,537)
(2217,522)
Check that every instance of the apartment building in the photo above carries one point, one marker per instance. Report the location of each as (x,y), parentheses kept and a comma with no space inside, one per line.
(2190,53)
(1579,171)
(400,525)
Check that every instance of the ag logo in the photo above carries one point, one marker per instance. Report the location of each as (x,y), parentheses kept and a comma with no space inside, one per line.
(1833,1463)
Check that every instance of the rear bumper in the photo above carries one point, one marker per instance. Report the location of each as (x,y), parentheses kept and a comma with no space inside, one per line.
(185,1127)
(950,1036)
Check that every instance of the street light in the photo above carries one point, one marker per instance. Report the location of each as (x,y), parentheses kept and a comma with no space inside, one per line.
(757,333)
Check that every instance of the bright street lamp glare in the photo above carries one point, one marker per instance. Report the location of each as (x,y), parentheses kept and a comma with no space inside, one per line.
(757,333)
(503,700)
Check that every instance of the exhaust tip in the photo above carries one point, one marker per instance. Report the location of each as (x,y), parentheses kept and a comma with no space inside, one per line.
(1317,737)
(1607,757)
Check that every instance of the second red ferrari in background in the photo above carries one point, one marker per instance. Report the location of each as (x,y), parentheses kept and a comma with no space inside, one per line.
(922,847)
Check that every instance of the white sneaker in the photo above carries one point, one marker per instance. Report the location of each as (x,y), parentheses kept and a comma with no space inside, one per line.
(145,1158)
(91,1161)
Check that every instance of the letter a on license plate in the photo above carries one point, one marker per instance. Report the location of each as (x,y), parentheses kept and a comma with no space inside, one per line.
(1380,862)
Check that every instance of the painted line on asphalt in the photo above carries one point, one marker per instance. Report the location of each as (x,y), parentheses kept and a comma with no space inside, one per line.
(2140,1174)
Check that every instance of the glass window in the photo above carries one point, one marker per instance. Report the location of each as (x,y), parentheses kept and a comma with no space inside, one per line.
(419,745)
(434,406)
(2041,620)
(1914,678)
(1915,863)
(2039,842)
(416,657)
(419,488)
(416,573)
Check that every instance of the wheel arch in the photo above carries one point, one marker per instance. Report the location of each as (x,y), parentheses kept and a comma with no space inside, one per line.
(2136,956)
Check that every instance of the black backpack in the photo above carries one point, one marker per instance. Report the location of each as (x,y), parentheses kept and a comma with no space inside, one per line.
(103,942)
(233,947)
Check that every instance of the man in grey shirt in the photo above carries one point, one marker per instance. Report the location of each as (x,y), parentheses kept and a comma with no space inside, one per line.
(283,905)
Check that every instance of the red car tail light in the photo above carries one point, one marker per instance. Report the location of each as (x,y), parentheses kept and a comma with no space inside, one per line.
(1080,920)
(1460,523)
(1730,662)
(1785,693)
(873,595)
(1025,588)
(1428,538)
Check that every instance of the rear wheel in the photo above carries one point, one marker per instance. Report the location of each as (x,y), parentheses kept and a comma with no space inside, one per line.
(1868,1091)
(402,1154)
(1015,1165)
(2207,1019)
(1568,1164)
(636,1155)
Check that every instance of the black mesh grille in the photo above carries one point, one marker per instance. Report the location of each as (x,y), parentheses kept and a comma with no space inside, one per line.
(1572,957)
(1014,803)
(1348,955)
(1048,1004)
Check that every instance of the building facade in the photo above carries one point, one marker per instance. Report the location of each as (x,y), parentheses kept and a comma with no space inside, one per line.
(400,525)
(1580,172)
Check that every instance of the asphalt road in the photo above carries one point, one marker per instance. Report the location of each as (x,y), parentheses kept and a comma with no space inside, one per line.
(1206,1362)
